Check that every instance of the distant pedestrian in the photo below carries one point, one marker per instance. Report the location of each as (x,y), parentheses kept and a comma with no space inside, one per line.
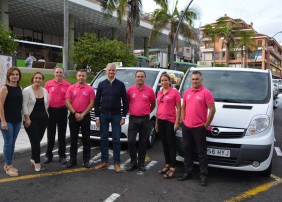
(167,123)
(142,101)
(10,113)
(80,100)
(108,108)
(29,60)
(35,105)
(194,113)
(58,112)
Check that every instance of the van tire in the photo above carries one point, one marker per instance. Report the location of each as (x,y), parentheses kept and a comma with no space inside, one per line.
(267,172)
(152,135)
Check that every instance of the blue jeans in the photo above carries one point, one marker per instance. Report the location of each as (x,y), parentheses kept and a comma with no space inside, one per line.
(10,137)
(105,119)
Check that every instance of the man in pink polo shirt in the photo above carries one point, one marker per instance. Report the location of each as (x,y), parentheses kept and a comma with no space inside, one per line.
(58,112)
(194,113)
(80,100)
(141,99)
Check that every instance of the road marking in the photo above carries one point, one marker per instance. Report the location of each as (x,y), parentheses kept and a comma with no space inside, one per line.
(278,151)
(150,165)
(147,158)
(112,198)
(25,177)
(43,154)
(95,159)
(256,190)
(122,166)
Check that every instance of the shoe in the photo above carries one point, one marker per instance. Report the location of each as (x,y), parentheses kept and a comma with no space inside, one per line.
(63,160)
(11,172)
(117,168)
(169,174)
(102,166)
(71,163)
(87,164)
(203,180)
(141,168)
(131,167)
(164,170)
(47,160)
(186,176)
(38,168)
(5,168)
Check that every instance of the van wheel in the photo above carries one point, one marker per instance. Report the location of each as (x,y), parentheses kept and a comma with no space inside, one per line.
(267,172)
(152,136)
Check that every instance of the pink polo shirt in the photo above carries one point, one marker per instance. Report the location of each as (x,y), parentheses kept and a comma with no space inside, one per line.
(80,96)
(196,110)
(166,108)
(57,93)
(140,100)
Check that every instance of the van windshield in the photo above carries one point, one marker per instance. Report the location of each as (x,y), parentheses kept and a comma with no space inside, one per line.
(234,86)
(127,76)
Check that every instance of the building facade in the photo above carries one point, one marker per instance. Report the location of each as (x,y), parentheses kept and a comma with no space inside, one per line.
(267,54)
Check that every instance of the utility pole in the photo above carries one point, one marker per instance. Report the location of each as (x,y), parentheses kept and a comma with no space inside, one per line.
(66,37)
(172,55)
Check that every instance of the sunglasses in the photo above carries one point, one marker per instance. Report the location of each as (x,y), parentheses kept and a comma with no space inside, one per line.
(162,98)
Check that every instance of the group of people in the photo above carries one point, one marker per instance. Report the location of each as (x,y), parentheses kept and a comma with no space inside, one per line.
(48,107)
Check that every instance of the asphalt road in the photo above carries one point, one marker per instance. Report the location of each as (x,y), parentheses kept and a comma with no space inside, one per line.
(57,183)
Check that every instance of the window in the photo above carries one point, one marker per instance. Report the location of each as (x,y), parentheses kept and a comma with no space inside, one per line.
(187,50)
(259,43)
(222,45)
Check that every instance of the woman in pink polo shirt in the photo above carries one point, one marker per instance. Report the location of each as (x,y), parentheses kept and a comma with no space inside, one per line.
(168,114)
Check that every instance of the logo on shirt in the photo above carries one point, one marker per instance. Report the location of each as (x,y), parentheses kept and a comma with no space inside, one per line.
(198,97)
(85,94)
(168,97)
(133,95)
(53,88)
(74,92)
(64,90)
(188,97)
(144,96)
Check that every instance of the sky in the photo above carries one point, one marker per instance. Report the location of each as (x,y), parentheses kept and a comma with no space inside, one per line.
(266,15)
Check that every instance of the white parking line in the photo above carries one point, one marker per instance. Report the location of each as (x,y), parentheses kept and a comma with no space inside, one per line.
(150,165)
(278,151)
(122,166)
(43,154)
(95,159)
(112,198)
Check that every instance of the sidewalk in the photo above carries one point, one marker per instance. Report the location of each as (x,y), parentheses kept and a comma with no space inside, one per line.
(23,144)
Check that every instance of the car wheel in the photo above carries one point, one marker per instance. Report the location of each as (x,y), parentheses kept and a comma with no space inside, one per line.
(267,172)
(152,135)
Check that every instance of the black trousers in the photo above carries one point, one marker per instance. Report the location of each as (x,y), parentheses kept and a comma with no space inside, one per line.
(35,133)
(194,139)
(84,126)
(167,134)
(141,125)
(58,117)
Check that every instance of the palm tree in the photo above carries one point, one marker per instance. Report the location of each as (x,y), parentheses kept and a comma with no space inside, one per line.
(245,40)
(131,9)
(229,31)
(164,18)
(212,33)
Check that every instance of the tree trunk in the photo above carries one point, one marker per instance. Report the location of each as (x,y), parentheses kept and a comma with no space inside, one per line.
(213,54)
(246,51)
(171,59)
(227,54)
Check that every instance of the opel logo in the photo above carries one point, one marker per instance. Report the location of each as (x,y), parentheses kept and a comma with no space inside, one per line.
(215,131)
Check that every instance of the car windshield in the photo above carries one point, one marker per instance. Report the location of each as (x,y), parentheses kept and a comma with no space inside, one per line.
(234,86)
(127,76)
(275,81)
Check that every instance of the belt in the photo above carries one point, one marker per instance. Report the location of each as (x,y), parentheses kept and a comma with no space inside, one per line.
(145,116)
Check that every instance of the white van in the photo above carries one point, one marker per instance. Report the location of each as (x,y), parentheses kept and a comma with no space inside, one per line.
(241,135)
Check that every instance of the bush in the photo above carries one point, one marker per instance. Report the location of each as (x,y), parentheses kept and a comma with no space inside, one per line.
(7,43)
(97,53)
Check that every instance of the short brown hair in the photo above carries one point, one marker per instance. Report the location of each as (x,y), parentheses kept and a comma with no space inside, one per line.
(31,80)
(9,72)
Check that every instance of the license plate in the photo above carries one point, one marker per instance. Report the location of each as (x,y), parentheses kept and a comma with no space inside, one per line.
(94,127)
(218,152)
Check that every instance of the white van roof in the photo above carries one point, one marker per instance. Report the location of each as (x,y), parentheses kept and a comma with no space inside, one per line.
(229,69)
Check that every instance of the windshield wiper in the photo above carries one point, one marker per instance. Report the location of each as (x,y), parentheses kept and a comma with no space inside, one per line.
(228,100)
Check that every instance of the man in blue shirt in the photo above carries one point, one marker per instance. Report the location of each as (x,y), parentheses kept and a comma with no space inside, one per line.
(111,91)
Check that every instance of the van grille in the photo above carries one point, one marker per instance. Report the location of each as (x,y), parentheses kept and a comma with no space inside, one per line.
(226,134)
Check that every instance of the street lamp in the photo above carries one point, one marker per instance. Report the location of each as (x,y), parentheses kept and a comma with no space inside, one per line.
(264,47)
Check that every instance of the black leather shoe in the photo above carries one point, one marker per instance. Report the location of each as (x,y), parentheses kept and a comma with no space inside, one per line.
(71,163)
(47,160)
(87,164)
(63,160)
(203,180)
(186,176)
(142,168)
(131,167)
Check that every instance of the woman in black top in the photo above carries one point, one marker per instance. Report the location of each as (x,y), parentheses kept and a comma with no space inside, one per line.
(10,113)
(35,104)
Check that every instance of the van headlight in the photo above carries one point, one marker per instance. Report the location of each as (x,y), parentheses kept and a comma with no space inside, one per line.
(258,124)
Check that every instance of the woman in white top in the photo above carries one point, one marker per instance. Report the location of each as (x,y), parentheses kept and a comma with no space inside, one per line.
(35,104)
